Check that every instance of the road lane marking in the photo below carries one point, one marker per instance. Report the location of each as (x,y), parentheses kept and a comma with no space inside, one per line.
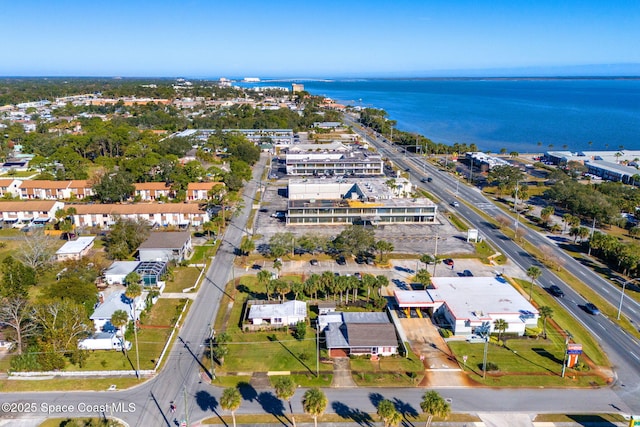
(634,355)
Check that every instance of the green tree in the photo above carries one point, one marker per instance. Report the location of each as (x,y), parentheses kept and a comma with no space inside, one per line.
(230,401)
(423,277)
(546,312)
(384,248)
(285,389)
(61,324)
(388,413)
(434,405)
(119,319)
(132,278)
(246,246)
(501,326)
(314,403)
(355,240)
(114,187)
(16,278)
(533,272)
(426,259)
(277,264)
(221,349)
(264,279)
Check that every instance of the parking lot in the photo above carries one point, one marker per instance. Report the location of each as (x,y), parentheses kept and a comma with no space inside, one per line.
(406,238)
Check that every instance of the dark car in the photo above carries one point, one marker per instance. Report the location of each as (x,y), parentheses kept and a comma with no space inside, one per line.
(360,259)
(429,179)
(467,273)
(341,261)
(423,179)
(357,275)
(407,170)
(448,261)
(556,291)
(314,262)
(591,308)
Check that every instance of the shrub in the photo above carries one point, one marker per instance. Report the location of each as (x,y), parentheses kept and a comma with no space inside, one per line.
(445,333)
(491,366)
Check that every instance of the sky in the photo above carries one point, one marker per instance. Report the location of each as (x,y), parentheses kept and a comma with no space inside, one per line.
(318,39)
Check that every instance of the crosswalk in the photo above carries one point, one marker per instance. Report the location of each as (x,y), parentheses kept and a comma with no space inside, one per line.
(486,206)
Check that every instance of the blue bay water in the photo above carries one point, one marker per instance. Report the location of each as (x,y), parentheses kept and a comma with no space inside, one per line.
(525,115)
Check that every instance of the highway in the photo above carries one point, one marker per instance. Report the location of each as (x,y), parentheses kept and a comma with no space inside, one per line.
(622,349)
(184,381)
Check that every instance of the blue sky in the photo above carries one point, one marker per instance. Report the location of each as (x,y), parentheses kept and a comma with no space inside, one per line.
(329,38)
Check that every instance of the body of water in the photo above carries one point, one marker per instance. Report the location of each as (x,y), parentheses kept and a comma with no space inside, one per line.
(524,115)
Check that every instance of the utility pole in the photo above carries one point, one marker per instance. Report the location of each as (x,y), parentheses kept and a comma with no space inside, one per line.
(515,206)
(484,357)
(566,347)
(318,348)
(212,333)
(435,254)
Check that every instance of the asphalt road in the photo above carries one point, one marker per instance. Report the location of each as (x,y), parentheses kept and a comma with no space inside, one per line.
(183,379)
(622,349)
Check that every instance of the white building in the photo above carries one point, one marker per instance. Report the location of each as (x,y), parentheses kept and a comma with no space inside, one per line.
(115,274)
(75,249)
(467,303)
(41,211)
(286,313)
(117,300)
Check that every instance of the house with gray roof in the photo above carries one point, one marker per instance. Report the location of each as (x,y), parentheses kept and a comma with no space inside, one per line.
(117,300)
(166,246)
(359,334)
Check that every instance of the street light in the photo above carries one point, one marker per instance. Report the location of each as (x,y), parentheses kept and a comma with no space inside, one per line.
(624,285)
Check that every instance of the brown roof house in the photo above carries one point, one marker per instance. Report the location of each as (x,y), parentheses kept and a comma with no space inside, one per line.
(166,246)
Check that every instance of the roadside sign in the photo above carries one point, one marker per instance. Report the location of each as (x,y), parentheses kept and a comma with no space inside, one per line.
(464,359)
(574,349)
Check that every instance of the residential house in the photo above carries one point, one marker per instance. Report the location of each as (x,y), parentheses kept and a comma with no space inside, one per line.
(200,190)
(166,246)
(23,212)
(118,270)
(359,334)
(277,313)
(75,249)
(117,300)
(151,191)
(54,190)
(157,214)
(9,187)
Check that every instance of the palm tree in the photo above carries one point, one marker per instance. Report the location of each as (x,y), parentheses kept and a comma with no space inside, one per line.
(386,411)
(285,389)
(423,277)
(434,406)
(264,279)
(314,403)
(230,401)
(383,247)
(209,226)
(277,264)
(546,312)
(534,272)
(500,325)
(565,220)
(426,259)
(246,246)
(132,292)
(119,318)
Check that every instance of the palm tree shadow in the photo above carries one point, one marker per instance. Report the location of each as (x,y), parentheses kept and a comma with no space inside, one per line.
(208,402)
(247,391)
(356,415)
(295,357)
(274,406)
(406,410)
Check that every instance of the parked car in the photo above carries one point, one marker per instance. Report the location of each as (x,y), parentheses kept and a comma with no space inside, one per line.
(448,261)
(314,262)
(467,273)
(278,214)
(358,275)
(475,339)
(591,308)
(341,261)
(556,291)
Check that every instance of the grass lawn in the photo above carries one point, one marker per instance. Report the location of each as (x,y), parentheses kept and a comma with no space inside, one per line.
(183,278)
(565,322)
(343,415)
(151,341)
(66,384)
(522,362)
(202,254)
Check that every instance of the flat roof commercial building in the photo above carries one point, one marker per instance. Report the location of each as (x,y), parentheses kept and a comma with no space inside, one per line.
(334,163)
(466,303)
(351,201)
